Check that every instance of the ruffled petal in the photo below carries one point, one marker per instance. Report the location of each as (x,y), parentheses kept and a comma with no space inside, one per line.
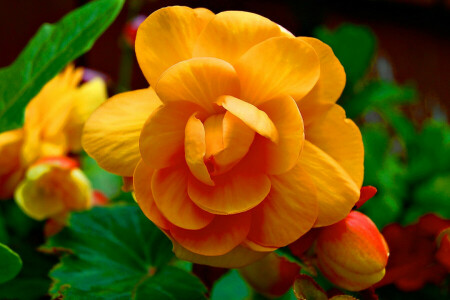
(221,236)
(341,139)
(236,258)
(281,157)
(142,179)
(231,33)
(288,212)
(275,67)
(166,37)
(236,191)
(162,138)
(11,170)
(111,134)
(253,117)
(337,193)
(195,149)
(330,85)
(198,80)
(169,188)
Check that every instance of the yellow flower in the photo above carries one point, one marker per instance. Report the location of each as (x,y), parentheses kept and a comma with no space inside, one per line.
(52,188)
(238,147)
(53,125)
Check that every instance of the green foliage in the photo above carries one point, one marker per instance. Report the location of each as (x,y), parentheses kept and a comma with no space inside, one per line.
(24,235)
(231,286)
(354,46)
(117,253)
(378,95)
(10,263)
(48,52)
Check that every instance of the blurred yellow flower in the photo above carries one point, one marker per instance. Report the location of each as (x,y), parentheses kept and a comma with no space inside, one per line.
(238,147)
(52,188)
(53,125)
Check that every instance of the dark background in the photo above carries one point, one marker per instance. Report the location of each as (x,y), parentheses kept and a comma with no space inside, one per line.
(413,35)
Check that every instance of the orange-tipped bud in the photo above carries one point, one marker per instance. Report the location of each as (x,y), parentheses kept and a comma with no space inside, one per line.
(352,253)
(271,276)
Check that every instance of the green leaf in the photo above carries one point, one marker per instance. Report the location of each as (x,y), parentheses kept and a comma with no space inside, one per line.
(231,286)
(117,253)
(25,235)
(48,52)
(10,263)
(378,95)
(353,45)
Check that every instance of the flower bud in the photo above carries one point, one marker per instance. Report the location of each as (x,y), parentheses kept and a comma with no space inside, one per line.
(53,187)
(271,276)
(352,253)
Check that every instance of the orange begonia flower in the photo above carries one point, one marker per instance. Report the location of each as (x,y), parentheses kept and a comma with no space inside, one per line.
(238,147)
(54,119)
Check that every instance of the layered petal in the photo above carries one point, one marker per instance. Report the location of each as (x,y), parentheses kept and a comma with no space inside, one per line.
(330,85)
(231,33)
(162,138)
(253,117)
(198,80)
(166,37)
(337,193)
(237,139)
(341,139)
(238,190)
(142,180)
(275,67)
(288,212)
(221,236)
(195,149)
(169,189)
(280,157)
(111,134)
(236,258)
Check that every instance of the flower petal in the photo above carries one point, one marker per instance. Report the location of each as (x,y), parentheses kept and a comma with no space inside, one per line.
(111,134)
(237,139)
(341,139)
(169,188)
(236,191)
(281,157)
(275,67)
(337,193)
(166,37)
(198,80)
(143,193)
(231,33)
(236,258)
(331,82)
(253,117)
(218,238)
(88,97)
(195,149)
(162,138)
(288,212)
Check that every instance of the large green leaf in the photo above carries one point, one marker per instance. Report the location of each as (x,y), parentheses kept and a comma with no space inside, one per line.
(48,52)
(353,45)
(117,253)
(10,263)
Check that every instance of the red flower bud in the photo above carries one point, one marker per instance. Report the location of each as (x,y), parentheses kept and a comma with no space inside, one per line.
(352,253)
